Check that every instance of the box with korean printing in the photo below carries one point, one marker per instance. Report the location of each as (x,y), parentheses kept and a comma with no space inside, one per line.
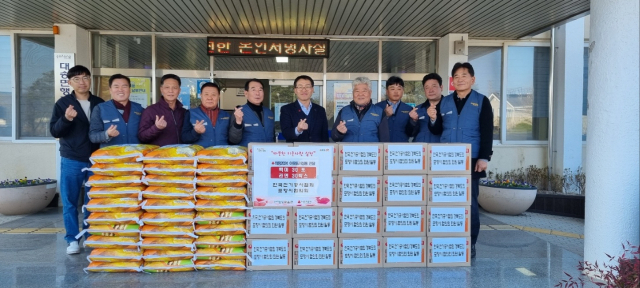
(448,221)
(404,221)
(269,254)
(334,146)
(449,158)
(448,190)
(315,253)
(359,190)
(360,252)
(269,222)
(359,222)
(405,158)
(360,158)
(315,222)
(405,251)
(448,251)
(402,190)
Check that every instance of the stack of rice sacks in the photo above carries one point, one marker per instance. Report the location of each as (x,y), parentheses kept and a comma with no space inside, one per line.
(221,205)
(115,209)
(168,205)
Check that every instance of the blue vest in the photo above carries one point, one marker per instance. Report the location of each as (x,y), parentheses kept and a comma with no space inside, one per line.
(463,128)
(424,135)
(213,135)
(128,131)
(254,131)
(365,130)
(398,121)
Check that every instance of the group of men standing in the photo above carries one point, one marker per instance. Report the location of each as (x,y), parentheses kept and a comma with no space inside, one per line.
(85,122)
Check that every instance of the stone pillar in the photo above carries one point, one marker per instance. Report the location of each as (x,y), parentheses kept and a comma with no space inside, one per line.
(612,197)
(447,57)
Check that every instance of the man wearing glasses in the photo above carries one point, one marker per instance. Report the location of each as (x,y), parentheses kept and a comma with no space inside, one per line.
(302,120)
(70,123)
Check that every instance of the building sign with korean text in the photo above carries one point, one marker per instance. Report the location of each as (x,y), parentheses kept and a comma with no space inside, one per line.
(308,48)
(62,63)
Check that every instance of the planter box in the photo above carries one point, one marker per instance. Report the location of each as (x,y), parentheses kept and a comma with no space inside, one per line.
(557,204)
(26,199)
(506,200)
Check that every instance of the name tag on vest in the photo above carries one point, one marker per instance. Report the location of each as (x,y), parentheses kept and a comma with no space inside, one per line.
(115,120)
(349,120)
(205,124)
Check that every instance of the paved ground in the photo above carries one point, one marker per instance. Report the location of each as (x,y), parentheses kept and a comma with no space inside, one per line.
(531,250)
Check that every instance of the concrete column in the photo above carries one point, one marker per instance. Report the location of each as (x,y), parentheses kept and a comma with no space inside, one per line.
(568,93)
(612,197)
(447,57)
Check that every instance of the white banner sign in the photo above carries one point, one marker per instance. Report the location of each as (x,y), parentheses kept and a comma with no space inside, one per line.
(62,63)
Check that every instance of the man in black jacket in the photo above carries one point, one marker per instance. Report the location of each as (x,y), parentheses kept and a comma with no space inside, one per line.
(303,121)
(70,123)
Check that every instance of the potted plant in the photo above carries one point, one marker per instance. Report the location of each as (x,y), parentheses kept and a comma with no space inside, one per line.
(24,196)
(505,196)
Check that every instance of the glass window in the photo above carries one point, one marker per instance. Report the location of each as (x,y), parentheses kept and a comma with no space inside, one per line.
(585,92)
(267,64)
(122,51)
(487,63)
(339,94)
(528,93)
(6,113)
(353,57)
(413,92)
(182,53)
(408,57)
(35,85)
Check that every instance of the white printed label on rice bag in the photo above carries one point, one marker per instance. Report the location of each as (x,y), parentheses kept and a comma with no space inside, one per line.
(447,219)
(448,250)
(403,219)
(448,158)
(314,221)
(405,157)
(449,189)
(405,188)
(360,189)
(359,220)
(270,252)
(360,158)
(404,249)
(268,221)
(359,251)
(316,252)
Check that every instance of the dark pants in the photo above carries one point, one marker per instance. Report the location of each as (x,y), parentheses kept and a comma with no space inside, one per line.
(475,213)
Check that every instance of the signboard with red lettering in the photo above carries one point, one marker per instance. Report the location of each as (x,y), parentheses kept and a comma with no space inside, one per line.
(307,48)
(292,176)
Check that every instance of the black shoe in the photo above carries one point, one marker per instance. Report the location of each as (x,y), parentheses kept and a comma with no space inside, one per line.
(473,251)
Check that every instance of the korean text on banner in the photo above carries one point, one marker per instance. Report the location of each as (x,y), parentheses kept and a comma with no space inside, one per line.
(62,63)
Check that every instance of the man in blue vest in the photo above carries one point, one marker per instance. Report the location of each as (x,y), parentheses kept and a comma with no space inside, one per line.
(303,121)
(361,121)
(116,122)
(396,111)
(466,117)
(252,122)
(425,115)
(206,125)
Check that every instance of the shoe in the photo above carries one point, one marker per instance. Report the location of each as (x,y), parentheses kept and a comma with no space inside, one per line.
(73,248)
(473,251)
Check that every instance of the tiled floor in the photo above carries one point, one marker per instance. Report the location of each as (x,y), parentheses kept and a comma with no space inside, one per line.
(507,257)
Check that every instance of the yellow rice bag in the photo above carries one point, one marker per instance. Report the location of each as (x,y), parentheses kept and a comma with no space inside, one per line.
(222,229)
(168,266)
(114,255)
(169,181)
(223,155)
(167,255)
(224,241)
(158,243)
(113,218)
(116,169)
(220,217)
(159,192)
(130,191)
(113,181)
(113,205)
(225,205)
(126,266)
(170,206)
(108,242)
(168,219)
(126,153)
(222,181)
(218,253)
(220,170)
(167,231)
(173,154)
(170,170)
(119,230)
(237,265)
(221,193)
